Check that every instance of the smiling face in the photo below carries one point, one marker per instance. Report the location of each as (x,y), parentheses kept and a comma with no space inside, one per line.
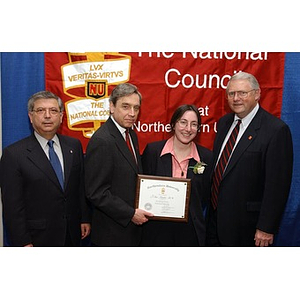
(186,127)
(46,117)
(241,104)
(126,110)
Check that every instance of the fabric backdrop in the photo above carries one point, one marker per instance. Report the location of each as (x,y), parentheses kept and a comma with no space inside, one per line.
(166,80)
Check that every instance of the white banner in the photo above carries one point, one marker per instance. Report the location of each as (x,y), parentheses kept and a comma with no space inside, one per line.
(85,110)
(113,71)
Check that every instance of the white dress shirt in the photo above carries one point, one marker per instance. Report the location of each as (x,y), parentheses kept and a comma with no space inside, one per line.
(243,126)
(123,132)
(56,145)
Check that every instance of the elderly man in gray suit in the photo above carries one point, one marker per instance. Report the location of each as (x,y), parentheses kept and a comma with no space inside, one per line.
(253,171)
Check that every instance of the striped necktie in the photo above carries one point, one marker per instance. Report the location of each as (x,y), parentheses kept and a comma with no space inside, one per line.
(54,160)
(222,164)
(127,136)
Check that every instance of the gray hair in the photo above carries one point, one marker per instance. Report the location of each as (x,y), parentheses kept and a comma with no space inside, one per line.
(43,95)
(244,76)
(122,90)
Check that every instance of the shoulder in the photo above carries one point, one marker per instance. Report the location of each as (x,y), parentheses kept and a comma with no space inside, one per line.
(271,126)
(226,118)
(70,145)
(21,144)
(71,141)
(104,139)
(67,138)
(271,119)
(204,152)
(106,130)
(225,122)
(155,146)
(102,136)
(202,149)
(17,152)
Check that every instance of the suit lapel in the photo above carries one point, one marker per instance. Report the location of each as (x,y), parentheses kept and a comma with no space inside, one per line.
(137,150)
(221,137)
(38,157)
(122,146)
(190,172)
(166,165)
(67,152)
(248,137)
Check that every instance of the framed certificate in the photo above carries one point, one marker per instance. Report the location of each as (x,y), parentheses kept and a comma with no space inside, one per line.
(167,198)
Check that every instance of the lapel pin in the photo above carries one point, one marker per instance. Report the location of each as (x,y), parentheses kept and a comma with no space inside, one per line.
(250,137)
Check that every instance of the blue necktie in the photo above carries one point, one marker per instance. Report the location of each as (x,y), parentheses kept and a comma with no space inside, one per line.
(56,163)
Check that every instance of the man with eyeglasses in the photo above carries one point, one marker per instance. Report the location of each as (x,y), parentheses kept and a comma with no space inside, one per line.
(42,182)
(253,161)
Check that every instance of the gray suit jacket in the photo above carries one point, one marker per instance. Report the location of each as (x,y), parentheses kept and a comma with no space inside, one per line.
(36,209)
(111,176)
(256,183)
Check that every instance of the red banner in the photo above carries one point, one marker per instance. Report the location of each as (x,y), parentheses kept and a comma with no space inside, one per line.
(165,79)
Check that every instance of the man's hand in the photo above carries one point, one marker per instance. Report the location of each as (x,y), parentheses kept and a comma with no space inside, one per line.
(263,239)
(141,216)
(85,230)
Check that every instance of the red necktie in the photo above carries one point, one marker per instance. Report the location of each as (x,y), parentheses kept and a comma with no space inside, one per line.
(222,163)
(128,142)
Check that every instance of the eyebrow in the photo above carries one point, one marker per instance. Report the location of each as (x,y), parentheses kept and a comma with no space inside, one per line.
(188,120)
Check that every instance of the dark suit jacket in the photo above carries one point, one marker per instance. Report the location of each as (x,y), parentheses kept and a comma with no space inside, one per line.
(111,177)
(256,183)
(36,209)
(154,164)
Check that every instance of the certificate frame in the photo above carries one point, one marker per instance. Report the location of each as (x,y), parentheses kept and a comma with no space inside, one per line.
(167,193)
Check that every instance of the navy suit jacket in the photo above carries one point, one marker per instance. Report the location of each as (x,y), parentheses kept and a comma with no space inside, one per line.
(154,164)
(256,182)
(36,209)
(111,177)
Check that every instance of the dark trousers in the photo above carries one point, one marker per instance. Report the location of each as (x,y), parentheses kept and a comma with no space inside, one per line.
(169,234)
(68,240)
(212,239)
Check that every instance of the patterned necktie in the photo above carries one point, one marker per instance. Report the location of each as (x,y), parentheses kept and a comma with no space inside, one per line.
(129,143)
(56,163)
(222,163)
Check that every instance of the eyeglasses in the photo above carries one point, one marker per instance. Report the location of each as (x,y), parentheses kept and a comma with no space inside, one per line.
(41,111)
(184,123)
(241,94)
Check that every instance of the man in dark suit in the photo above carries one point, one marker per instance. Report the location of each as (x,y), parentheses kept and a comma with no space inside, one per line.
(249,201)
(38,209)
(111,173)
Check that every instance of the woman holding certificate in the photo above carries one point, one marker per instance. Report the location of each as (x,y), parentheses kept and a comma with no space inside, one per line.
(180,157)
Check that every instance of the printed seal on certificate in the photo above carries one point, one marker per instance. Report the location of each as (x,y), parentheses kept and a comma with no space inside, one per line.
(167,198)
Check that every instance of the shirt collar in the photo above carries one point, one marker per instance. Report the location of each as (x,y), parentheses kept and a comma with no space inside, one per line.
(120,128)
(246,120)
(43,142)
(169,149)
